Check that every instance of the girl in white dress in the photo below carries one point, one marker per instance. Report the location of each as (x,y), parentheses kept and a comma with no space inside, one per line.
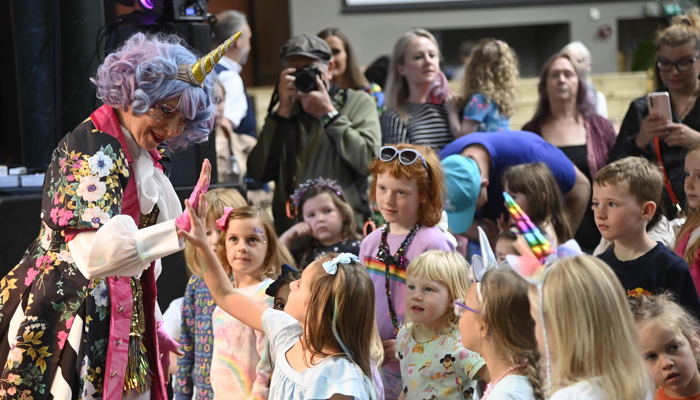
(321,343)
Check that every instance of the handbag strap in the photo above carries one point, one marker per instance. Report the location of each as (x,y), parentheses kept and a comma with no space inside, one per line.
(667,182)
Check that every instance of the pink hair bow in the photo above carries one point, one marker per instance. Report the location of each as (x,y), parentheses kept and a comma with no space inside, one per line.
(221,222)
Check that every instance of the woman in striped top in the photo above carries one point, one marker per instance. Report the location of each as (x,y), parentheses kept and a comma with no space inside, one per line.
(415,93)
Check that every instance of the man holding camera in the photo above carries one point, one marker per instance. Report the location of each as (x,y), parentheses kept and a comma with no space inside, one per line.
(316,130)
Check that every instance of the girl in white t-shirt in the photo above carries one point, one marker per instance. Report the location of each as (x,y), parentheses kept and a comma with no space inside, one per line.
(321,343)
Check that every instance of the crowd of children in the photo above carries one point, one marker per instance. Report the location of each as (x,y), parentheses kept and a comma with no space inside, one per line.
(400,315)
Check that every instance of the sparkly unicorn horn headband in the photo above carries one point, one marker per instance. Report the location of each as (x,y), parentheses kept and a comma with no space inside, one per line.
(195,73)
(538,244)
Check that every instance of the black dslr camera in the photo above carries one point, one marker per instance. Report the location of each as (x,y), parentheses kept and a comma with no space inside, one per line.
(306,78)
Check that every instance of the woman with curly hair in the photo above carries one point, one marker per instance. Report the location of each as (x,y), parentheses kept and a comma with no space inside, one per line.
(78,314)
(566,118)
(489,88)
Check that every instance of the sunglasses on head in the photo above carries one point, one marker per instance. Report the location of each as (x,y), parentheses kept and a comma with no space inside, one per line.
(406,156)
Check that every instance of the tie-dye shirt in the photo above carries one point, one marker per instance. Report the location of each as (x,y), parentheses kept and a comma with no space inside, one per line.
(440,366)
(240,366)
(484,111)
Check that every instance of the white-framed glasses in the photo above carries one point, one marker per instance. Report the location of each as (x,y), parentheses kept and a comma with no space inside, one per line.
(459,308)
(406,156)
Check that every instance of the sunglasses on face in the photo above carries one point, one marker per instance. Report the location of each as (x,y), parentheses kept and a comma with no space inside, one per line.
(681,65)
(406,156)
(459,308)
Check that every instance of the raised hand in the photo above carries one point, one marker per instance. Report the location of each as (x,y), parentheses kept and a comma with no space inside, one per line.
(183,221)
(198,231)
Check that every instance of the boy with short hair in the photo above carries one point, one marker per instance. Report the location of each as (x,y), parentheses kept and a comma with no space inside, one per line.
(625,198)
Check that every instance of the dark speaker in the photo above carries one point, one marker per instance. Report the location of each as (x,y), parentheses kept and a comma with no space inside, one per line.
(196,34)
(23,213)
(185,10)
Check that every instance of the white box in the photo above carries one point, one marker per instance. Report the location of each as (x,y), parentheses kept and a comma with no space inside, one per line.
(18,171)
(9,181)
(3,170)
(36,180)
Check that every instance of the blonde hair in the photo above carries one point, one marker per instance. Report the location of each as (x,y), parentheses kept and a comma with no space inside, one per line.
(660,311)
(639,176)
(505,308)
(448,268)
(348,299)
(535,180)
(683,29)
(397,91)
(582,298)
(493,72)
(215,200)
(276,255)
(431,186)
(692,221)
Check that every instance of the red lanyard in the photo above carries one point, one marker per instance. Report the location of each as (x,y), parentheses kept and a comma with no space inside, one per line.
(667,182)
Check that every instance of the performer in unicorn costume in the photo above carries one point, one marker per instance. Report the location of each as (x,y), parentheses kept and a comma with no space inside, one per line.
(78,314)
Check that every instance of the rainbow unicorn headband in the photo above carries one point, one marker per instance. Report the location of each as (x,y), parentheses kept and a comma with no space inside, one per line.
(197,72)
(305,187)
(536,252)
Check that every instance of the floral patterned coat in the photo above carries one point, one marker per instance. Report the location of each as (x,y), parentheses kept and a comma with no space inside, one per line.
(56,325)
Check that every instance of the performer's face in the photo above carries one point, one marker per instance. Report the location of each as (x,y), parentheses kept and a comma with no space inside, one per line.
(162,122)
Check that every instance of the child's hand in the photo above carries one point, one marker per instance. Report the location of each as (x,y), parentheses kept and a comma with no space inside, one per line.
(300,229)
(198,233)
(389,351)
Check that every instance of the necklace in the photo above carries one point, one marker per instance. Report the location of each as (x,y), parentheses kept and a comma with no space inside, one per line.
(493,383)
(689,107)
(398,260)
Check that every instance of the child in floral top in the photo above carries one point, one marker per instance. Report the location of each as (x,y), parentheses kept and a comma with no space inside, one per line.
(429,348)
(197,337)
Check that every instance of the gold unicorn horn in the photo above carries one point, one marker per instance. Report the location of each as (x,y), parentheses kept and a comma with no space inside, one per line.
(195,73)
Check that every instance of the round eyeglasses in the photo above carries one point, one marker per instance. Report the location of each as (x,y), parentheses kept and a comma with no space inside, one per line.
(681,65)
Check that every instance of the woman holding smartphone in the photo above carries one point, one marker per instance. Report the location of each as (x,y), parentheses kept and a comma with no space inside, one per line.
(651,135)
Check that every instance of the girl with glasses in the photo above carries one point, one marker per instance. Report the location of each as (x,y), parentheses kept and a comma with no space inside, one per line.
(429,348)
(496,322)
(409,190)
(652,136)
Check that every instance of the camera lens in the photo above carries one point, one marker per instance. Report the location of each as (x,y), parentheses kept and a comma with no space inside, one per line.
(306,79)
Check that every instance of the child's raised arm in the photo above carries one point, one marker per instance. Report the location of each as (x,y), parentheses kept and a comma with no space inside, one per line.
(229,299)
